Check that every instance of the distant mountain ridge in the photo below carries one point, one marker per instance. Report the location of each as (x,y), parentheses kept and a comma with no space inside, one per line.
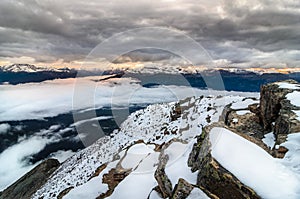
(29,68)
(234,79)
(26,73)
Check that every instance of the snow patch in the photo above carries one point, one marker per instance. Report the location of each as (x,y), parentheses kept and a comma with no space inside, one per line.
(235,120)
(269,139)
(298,114)
(178,158)
(243,104)
(136,154)
(294,98)
(243,112)
(288,85)
(92,189)
(254,166)
(292,157)
(135,185)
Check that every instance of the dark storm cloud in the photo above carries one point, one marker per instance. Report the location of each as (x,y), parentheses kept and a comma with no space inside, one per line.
(238,31)
(30,15)
(145,55)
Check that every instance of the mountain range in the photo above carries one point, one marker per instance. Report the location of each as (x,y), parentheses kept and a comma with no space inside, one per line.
(234,79)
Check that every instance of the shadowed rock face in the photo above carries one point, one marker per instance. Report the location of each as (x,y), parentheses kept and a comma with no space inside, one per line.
(270,98)
(31,182)
(276,109)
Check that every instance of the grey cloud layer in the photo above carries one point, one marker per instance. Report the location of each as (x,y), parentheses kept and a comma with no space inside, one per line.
(239,31)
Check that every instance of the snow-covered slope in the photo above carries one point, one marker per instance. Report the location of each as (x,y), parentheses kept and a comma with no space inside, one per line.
(153,125)
(125,164)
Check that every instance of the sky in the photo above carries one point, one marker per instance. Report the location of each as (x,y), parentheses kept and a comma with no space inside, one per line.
(240,33)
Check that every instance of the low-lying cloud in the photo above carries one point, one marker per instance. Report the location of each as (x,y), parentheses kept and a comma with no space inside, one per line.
(13,160)
(4,128)
(51,98)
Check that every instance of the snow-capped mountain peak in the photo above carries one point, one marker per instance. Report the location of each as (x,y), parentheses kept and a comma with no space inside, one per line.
(29,68)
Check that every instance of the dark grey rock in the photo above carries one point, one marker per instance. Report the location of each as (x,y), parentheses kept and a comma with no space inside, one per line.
(275,108)
(161,177)
(182,189)
(28,184)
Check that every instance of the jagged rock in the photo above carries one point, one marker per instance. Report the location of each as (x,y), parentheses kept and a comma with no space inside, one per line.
(254,108)
(286,123)
(182,189)
(161,177)
(224,116)
(176,112)
(163,181)
(276,109)
(112,179)
(248,123)
(273,113)
(98,171)
(212,176)
(270,104)
(64,192)
(202,147)
(155,191)
(280,152)
(32,181)
(180,106)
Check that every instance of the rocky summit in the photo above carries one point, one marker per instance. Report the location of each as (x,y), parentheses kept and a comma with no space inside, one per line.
(204,147)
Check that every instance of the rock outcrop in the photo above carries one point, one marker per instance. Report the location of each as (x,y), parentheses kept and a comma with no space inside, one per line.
(247,122)
(182,189)
(32,181)
(270,104)
(212,176)
(161,177)
(276,111)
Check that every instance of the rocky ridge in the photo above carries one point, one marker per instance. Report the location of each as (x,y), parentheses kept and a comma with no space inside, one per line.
(32,181)
(165,150)
(274,112)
